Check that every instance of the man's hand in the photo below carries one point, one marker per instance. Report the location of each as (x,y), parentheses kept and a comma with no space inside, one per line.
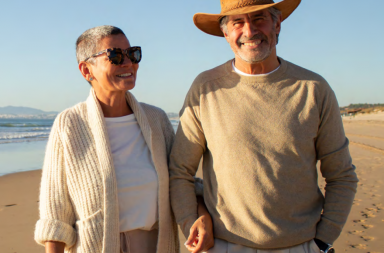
(201,233)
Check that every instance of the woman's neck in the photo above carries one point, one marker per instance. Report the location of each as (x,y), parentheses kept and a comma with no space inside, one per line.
(113,104)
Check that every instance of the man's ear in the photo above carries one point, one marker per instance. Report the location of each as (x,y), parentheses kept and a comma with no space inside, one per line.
(225,35)
(278,24)
(85,69)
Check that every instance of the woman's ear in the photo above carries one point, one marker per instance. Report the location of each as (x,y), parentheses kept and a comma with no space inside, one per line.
(86,70)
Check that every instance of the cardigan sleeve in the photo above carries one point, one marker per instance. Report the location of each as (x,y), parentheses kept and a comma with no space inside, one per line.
(169,134)
(56,212)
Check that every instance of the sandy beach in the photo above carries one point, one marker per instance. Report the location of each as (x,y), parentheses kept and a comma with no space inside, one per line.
(363,232)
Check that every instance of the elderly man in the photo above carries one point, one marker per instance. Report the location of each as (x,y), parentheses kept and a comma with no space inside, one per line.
(261,124)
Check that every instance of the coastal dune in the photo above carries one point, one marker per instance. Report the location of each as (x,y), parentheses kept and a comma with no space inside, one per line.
(363,232)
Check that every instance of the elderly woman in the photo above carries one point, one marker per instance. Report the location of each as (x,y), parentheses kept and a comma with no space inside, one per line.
(105,176)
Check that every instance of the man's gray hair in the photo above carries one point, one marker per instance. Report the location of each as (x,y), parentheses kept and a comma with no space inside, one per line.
(87,43)
(275,14)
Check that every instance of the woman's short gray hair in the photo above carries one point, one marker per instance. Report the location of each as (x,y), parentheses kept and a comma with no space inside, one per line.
(87,43)
(275,14)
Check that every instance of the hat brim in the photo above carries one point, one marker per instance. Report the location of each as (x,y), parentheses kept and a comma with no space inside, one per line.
(210,23)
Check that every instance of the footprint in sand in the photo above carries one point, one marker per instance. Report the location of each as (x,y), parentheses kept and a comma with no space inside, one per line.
(369,215)
(359,221)
(356,232)
(366,226)
(359,246)
(367,238)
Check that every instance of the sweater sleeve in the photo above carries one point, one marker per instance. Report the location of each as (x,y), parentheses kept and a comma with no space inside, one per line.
(56,212)
(186,153)
(336,167)
(169,139)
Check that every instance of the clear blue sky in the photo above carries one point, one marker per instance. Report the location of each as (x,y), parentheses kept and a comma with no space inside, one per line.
(340,40)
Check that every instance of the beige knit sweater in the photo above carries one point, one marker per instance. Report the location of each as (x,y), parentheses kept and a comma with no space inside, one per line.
(260,138)
(78,196)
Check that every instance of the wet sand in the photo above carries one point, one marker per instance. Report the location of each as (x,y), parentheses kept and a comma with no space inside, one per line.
(363,232)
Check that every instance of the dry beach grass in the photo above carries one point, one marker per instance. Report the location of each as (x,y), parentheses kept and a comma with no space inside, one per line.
(363,232)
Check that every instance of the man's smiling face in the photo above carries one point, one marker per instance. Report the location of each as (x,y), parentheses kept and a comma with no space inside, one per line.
(252,36)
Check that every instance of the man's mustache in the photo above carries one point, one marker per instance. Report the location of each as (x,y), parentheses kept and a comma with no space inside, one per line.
(245,39)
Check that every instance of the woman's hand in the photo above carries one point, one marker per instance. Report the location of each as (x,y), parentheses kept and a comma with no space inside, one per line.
(201,233)
(54,247)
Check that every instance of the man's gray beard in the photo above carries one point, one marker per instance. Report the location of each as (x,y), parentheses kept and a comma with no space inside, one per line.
(263,53)
(257,58)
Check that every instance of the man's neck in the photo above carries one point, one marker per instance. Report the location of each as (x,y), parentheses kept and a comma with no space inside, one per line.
(264,67)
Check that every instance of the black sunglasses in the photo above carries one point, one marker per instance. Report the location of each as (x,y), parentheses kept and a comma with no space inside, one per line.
(116,55)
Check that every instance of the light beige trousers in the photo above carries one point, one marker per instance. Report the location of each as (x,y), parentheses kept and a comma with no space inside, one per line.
(227,247)
(138,241)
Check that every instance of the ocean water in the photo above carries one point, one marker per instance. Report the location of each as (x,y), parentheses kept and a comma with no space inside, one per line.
(21,156)
(175,124)
(24,130)
(23,142)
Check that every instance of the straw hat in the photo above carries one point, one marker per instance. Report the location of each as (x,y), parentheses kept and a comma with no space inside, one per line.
(210,23)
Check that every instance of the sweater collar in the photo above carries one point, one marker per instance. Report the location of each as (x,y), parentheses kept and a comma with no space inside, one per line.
(252,80)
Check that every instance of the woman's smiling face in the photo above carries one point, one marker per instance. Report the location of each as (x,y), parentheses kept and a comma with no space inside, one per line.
(110,77)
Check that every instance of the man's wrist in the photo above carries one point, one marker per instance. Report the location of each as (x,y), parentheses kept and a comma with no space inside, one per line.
(324,247)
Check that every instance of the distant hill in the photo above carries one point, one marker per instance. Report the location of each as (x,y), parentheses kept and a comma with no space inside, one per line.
(360,106)
(20,110)
(353,109)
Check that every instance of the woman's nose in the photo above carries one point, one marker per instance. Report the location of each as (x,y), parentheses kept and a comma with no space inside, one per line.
(126,61)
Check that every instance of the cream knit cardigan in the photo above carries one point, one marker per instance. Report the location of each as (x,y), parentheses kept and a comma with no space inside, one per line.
(78,195)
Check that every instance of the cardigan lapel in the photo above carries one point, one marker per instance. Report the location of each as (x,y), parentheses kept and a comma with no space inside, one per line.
(103,149)
(142,119)
(98,127)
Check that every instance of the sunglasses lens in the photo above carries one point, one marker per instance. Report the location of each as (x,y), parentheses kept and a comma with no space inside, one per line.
(115,56)
(135,54)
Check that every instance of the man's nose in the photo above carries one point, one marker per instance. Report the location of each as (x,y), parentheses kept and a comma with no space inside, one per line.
(249,29)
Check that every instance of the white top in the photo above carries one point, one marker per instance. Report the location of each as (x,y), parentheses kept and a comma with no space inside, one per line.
(245,74)
(136,176)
